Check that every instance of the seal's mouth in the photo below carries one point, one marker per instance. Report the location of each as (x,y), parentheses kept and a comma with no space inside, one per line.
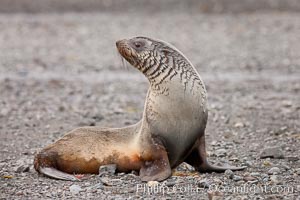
(126,51)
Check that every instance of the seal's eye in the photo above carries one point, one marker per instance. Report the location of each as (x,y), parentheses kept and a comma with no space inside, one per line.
(137,44)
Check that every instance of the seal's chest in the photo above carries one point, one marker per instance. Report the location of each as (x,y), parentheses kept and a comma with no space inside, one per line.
(178,133)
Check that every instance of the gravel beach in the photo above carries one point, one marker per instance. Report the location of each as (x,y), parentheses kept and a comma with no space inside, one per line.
(59,71)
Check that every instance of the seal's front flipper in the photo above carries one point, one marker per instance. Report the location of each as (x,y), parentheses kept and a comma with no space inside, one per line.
(156,170)
(198,160)
(158,167)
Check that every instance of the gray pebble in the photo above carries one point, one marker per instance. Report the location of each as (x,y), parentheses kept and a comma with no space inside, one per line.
(237,178)
(22,168)
(107,169)
(110,182)
(203,184)
(152,183)
(229,173)
(250,178)
(298,171)
(98,117)
(75,189)
(215,195)
(293,158)
(87,184)
(240,182)
(264,175)
(274,170)
(272,152)
(170,183)
(256,174)
(248,163)
(96,186)
(221,152)
(87,122)
(266,179)
(286,167)
(244,197)
(275,179)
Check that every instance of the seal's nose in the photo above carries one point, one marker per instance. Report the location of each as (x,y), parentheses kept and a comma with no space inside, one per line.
(118,43)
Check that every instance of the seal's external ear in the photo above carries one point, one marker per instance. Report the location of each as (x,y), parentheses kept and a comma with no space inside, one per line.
(158,168)
(166,51)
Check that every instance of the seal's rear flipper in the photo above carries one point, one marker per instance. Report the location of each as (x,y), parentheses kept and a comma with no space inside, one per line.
(54,173)
(158,168)
(198,160)
(211,168)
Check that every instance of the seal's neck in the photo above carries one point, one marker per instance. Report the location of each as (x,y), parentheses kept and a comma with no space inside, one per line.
(178,77)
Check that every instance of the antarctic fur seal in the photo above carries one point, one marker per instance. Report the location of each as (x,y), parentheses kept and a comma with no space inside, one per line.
(170,132)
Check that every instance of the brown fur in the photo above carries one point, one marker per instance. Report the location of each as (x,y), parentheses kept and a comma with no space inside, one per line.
(83,150)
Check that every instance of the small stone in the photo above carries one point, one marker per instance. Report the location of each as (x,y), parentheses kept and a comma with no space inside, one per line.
(287,103)
(170,183)
(243,197)
(240,182)
(249,163)
(87,122)
(75,189)
(203,184)
(135,173)
(239,125)
(286,167)
(107,169)
(215,195)
(228,173)
(266,179)
(23,168)
(275,179)
(221,152)
(234,159)
(152,183)
(249,178)
(237,178)
(87,184)
(292,158)
(118,111)
(274,170)
(256,174)
(97,186)
(107,181)
(61,108)
(272,152)
(187,167)
(298,171)
(287,149)
(217,181)
(98,117)
(4,112)
(267,163)
(264,175)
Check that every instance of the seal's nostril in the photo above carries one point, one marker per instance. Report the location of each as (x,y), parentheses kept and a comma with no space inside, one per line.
(118,43)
